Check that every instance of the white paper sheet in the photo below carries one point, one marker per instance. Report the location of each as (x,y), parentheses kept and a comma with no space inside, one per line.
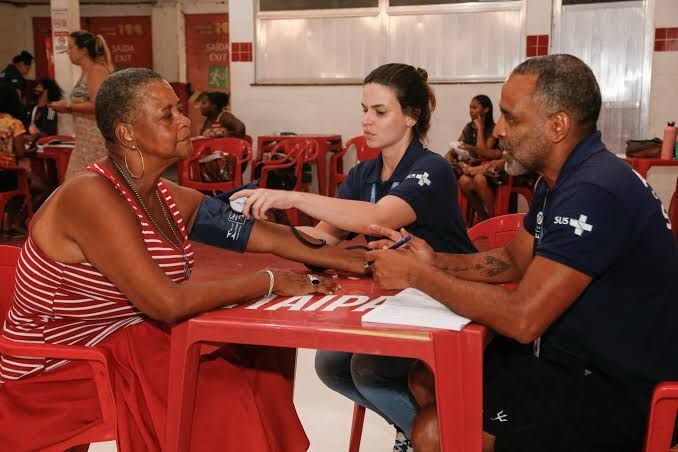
(413,307)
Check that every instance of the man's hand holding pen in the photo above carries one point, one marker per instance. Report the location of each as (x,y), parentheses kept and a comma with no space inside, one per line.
(396,268)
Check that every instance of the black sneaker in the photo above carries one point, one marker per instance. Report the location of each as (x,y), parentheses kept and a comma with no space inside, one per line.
(402,444)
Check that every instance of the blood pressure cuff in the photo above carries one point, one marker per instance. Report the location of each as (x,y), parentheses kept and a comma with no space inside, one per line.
(217,224)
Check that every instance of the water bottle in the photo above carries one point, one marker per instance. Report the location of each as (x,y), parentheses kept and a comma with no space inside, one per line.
(669,142)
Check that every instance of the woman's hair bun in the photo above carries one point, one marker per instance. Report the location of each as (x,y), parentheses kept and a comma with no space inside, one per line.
(422,73)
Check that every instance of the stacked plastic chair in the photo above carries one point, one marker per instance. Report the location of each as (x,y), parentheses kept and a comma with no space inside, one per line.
(299,152)
(363,152)
(188,172)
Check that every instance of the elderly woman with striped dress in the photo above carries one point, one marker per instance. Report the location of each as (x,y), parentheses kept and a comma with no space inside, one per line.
(107,264)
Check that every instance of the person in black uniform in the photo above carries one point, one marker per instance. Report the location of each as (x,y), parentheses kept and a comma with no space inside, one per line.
(15,72)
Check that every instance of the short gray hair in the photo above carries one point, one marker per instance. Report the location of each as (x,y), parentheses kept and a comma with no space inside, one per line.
(118,98)
(564,83)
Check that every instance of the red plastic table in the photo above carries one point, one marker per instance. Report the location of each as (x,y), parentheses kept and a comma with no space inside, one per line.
(59,153)
(332,322)
(327,143)
(643,165)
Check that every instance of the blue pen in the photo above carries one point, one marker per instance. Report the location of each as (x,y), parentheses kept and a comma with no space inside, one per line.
(397,244)
(403,240)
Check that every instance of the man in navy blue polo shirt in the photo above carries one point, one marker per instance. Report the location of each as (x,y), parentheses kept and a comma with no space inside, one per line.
(596,265)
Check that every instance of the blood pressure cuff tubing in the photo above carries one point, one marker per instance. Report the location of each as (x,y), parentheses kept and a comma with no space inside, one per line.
(217,224)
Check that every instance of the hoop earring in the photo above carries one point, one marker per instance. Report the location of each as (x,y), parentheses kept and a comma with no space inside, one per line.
(143,168)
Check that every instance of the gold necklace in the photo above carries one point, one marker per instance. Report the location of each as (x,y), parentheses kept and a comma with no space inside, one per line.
(177,244)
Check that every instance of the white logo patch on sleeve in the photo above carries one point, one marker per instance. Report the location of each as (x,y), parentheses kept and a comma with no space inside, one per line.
(423,178)
(580,225)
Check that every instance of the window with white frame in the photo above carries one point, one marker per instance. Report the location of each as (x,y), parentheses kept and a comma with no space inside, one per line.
(300,5)
(615,40)
(340,41)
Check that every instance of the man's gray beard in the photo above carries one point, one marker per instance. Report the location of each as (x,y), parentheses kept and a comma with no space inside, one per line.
(515,168)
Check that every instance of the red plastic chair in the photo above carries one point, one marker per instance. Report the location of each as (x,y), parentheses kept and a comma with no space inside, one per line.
(288,147)
(106,430)
(243,166)
(503,195)
(188,170)
(22,189)
(501,200)
(662,418)
(299,152)
(496,231)
(673,212)
(363,152)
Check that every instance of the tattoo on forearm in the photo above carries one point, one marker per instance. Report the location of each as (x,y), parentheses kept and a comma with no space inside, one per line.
(489,266)
(493,267)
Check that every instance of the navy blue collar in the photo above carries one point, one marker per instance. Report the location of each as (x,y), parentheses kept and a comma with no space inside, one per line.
(402,169)
(584,150)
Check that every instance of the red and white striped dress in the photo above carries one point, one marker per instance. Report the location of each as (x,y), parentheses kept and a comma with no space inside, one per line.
(243,398)
(74,304)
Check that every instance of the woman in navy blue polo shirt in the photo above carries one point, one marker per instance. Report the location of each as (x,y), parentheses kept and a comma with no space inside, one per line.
(406,186)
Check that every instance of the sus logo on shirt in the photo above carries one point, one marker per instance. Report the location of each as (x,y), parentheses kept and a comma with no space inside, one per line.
(580,225)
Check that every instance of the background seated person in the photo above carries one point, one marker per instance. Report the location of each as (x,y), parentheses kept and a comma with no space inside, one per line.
(11,150)
(477,139)
(107,265)
(596,266)
(219,122)
(43,120)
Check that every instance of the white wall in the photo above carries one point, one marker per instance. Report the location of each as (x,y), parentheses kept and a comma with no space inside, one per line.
(16,33)
(169,58)
(9,41)
(664,97)
(664,87)
(169,38)
(538,17)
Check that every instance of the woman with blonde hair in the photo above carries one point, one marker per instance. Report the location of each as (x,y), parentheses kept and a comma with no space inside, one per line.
(91,53)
